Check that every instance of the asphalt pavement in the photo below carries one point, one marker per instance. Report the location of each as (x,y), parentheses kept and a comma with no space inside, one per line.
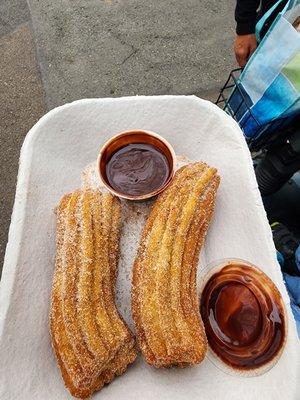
(54,52)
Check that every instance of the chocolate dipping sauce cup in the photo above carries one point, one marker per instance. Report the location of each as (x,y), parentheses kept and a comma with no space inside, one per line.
(131,137)
(263,281)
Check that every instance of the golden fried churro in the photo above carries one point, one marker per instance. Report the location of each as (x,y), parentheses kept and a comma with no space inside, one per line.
(91,341)
(164,298)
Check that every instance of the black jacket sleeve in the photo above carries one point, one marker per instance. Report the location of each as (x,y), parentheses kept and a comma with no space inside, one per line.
(246,16)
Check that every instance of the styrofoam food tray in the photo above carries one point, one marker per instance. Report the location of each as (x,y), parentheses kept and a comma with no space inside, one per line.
(53,155)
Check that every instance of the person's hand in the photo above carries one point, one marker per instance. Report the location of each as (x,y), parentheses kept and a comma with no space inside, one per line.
(244,46)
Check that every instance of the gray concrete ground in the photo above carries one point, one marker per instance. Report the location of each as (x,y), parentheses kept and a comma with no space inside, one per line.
(53,52)
(21,105)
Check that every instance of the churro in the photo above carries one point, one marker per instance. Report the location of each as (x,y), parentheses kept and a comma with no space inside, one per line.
(91,341)
(165,306)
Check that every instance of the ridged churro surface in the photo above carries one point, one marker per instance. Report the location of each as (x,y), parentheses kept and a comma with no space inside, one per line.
(165,306)
(90,339)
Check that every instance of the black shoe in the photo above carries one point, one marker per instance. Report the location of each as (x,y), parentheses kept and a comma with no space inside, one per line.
(287,245)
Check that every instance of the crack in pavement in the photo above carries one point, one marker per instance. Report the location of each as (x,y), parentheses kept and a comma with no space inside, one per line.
(134,51)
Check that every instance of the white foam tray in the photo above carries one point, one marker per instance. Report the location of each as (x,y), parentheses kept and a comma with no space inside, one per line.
(53,155)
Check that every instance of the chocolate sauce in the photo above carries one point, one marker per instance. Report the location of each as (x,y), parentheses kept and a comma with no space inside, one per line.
(137,169)
(243,316)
